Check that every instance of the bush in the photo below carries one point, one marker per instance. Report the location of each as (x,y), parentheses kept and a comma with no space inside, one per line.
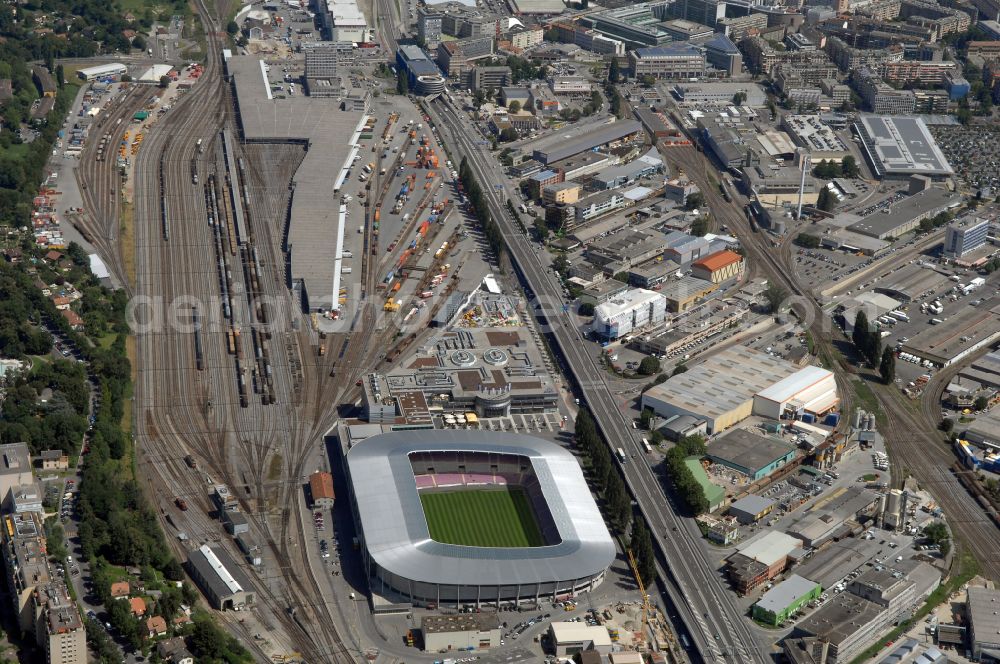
(649,366)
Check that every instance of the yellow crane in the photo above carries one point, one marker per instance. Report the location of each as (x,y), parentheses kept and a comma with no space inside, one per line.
(646,609)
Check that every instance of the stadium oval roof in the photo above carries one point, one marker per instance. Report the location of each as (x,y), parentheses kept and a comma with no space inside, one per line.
(395,528)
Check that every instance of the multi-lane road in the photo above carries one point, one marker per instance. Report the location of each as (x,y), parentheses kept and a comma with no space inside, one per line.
(694,587)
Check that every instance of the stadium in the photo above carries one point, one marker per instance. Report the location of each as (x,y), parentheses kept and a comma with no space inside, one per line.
(467,518)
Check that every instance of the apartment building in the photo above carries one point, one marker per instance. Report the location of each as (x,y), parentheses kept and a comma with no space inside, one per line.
(673,62)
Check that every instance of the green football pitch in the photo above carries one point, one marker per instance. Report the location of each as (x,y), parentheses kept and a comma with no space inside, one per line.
(482,517)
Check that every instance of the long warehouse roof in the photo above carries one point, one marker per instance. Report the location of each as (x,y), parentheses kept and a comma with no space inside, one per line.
(396,532)
(599,136)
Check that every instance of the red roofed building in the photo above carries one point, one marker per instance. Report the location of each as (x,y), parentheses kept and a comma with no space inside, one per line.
(719,267)
(138,606)
(156,626)
(321,488)
(73,319)
(120,589)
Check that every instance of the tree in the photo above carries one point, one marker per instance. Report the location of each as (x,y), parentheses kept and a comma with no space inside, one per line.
(508,134)
(887,367)
(61,76)
(649,366)
(647,80)
(614,71)
(679,369)
(849,167)
(695,201)
(232,28)
(585,309)
(861,333)
(739,98)
(514,107)
(642,548)
(774,295)
(541,229)
(403,84)
(826,201)
(808,240)
(164,81)
(981,403)
(947,425)
(699,228)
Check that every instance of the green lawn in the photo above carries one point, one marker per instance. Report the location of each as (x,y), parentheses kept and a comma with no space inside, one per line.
(482,517)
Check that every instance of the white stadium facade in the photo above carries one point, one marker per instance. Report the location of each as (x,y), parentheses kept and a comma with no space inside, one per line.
(405,564)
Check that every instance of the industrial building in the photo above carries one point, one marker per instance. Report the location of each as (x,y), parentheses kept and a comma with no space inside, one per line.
(760,559)
(407,566)
(571,638)
(783,600)
(102,71)
(900,218)
(967,330)
(751,508)
(631,312)
(220,578)
(810,390)
(647,165)
(462,631)
(321,489)
(965,237)
(602,135)
(682,294)
(983,623)
(720,266)
(751,454)
(722,389)
(900,146)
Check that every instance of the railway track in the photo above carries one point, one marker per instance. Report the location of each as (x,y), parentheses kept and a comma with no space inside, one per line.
(910,434)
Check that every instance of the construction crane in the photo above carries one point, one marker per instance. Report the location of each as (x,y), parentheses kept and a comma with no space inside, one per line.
(646,609)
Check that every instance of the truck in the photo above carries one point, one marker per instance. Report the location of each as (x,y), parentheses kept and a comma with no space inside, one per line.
(621,455)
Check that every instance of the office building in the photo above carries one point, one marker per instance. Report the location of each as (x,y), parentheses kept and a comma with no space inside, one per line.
(635,25)
(681,29)
(671,62)
(429,26)
(964,237)
(706,12)
(880,97)
(628,313)
(325,59)
(490,77)
(721,53)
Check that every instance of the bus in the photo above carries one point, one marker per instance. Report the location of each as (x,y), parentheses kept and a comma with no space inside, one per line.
(621,455)
(645,443)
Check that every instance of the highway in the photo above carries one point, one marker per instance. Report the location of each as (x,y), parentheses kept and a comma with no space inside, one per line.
(716,625)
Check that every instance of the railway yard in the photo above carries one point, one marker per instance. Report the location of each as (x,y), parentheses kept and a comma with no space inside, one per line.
(319,267)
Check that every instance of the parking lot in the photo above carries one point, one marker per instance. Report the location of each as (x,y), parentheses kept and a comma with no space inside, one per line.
(974,152)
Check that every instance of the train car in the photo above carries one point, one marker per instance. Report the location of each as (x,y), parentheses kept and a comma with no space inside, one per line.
(967,455)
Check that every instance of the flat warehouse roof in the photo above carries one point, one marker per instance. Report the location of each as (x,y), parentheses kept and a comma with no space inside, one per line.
(966,328)
(325,130)
(783,595)
(787,388)
(905,211)
(722,382)
(742,447)
(770,547)
(836,560)
(595,137)
(903,144)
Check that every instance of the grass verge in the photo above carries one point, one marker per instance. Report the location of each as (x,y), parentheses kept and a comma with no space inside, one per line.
(127,240)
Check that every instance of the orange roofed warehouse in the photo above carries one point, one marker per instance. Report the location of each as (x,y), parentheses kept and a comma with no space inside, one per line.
(720,266)
(321,488)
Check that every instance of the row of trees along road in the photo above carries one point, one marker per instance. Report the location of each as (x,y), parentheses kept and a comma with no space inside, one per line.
(617,503)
